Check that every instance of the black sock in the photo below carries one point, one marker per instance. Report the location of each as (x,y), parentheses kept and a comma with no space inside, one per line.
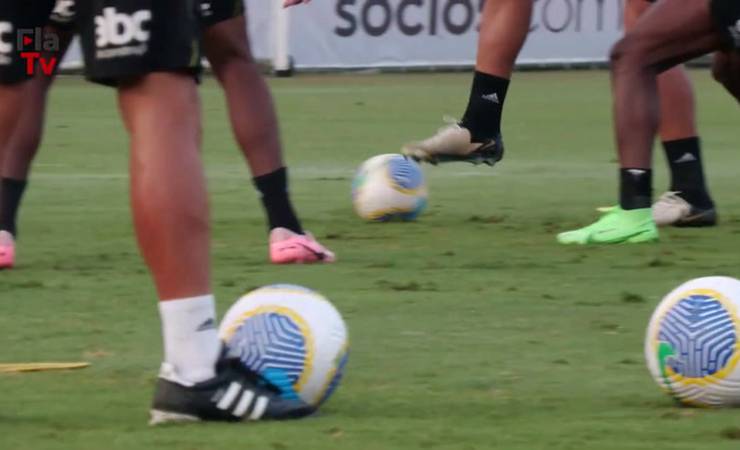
(11,193)
(687,172)
(635,188)
(274,189)
(486,103)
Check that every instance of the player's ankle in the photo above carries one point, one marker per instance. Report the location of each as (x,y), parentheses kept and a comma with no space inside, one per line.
(699,198)
(276,200)
(189,329)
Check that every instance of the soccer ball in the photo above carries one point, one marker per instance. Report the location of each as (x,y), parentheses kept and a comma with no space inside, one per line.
(388,187)
(692,346)
(292,336)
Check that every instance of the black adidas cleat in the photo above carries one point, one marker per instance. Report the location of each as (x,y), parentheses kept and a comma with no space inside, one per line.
(235,394)
(452,143)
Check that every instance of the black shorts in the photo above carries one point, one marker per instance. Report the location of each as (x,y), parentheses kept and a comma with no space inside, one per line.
(216,11)
(726,14)
(127,38)
(211,11)
(19,19)
(63,15)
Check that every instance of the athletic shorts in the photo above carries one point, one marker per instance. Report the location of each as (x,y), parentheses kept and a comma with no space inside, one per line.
(63,15)
(20,25)
(216,11)
(122,39)
(211,11)
(726,14)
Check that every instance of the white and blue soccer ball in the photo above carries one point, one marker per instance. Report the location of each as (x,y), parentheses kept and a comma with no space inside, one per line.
(292,336)
(692,345)
(389,187)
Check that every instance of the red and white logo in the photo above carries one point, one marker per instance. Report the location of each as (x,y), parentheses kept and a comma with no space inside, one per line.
(38,49)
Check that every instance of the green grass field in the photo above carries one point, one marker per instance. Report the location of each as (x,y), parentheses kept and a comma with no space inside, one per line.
(471,329)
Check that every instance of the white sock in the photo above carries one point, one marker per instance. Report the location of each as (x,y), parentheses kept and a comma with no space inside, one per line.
(190,333)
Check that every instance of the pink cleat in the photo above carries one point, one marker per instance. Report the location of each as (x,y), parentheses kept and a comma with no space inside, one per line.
(287,247)
(7,250)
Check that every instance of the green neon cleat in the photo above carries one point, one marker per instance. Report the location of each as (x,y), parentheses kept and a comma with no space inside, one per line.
(615,226)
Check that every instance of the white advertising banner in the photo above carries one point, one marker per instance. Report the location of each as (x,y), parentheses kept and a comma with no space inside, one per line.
(407,33)
(327,34)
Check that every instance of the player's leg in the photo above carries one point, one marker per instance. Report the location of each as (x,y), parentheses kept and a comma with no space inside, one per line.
(12,82)
(168,192)
(159,104)
(726,70)
(255,126)
(11,101)
(671,32)
(23,144)
(687,202)
(18,152)
(477,138)
(154,72)
(14,101)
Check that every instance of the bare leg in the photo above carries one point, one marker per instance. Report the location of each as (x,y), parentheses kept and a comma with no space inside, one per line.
(255,125)
(11,102)
(26,136)
(504,28)
(168,189)
(21,147)
(251,109)
(671,32)
(688,202)
(11,105)
(677,105)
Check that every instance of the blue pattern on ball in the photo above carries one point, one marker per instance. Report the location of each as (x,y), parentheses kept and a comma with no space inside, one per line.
(405,172)
(271,342)
(702,333)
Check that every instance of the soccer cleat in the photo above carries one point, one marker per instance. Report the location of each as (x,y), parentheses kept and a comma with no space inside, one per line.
(287,247)
(7,250)
(615,226)
(235,394)
(672,209)
(453,142)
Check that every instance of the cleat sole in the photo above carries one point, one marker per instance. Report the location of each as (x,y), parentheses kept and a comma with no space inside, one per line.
(159,417)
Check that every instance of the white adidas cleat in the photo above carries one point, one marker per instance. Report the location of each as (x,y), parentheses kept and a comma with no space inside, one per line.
(673,210)
(453,142)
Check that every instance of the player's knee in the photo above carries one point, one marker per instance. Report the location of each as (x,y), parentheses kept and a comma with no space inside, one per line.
(619,51)
(626,53)
(225,43)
